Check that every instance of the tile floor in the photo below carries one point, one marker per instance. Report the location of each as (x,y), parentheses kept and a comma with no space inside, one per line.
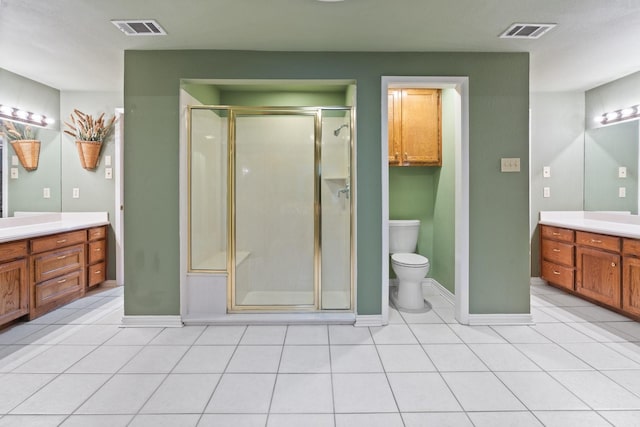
(578,366)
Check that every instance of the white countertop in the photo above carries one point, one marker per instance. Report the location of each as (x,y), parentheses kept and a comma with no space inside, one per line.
(621,224)
(25,225)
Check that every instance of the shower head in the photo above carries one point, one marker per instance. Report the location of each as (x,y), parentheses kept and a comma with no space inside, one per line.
(337,131)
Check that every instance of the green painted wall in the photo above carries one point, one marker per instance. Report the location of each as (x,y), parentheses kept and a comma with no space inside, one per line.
(498,120)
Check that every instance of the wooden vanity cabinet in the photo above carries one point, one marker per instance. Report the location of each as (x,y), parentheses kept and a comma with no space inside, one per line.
(558,256)
(415,127)
(631,276)
(57,271)
(96,256)
(14,283)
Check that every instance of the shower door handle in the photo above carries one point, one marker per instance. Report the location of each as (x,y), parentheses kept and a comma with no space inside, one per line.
(346,190)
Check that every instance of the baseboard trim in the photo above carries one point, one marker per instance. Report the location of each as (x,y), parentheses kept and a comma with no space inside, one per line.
(152,322)
(500,319)
(446,293)
(368,320)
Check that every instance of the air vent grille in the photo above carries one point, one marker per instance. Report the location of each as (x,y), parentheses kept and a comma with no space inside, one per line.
(139,27)
(526,31)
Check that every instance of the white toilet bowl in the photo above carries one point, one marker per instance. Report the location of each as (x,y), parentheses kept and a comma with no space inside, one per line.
(410,270)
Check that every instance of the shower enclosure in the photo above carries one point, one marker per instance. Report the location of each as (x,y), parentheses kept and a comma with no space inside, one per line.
(270,205)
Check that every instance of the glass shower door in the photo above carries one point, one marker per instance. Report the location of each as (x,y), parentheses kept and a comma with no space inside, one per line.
(275,200)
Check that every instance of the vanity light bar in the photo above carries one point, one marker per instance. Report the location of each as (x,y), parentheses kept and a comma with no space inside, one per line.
(19,115)
(621,115)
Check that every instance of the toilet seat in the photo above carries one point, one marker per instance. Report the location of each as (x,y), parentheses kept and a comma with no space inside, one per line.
(410,260)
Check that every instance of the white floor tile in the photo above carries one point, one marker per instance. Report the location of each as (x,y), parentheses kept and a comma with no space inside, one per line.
(428,317)
(622,418)
(63,395)
(205,359)
(347,334)
(186,335)
(264,335)
(564,314)
(302,393)
(369,420)
(395,317)
(307,335)
(297,420)
(393,334)
(538,391)
(552,357)
(97,421)
(541,316)
(235,420)
(422,392)
(362,393)
(571,419)
(355,358)
(242,394)
(31,420)
(597,390)
(630,328)
(404,358)
(56,359)
(440,419)
(600,356)
(504,419)
(221,335)
(155,359)
(447,314)
(435,334)
(255,358)
(91,335)
(561,333)
(50,335)
(165,420)
(599,314)
(182,394)
(627,379)
(105,359)
(305,359)
(629,349)
(481,391)
(13,356)
(15,388)
(477,334)
(517,334)
(134,336)
(601,332)
(122,394)
(503,357)
(18,332)
(454,357)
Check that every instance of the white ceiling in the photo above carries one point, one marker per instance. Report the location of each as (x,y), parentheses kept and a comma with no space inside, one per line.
(71,45)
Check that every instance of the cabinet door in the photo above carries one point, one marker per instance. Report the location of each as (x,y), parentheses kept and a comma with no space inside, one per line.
(631,286)
(599,275)
(421,136)
(394,126)
(14,295)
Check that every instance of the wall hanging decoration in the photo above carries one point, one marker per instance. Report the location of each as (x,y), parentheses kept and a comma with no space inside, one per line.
(22,139)
(89,133)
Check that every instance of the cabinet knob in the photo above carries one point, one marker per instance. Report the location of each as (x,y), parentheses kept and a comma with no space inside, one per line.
(62,257)
(613,264)
(596,241)
(555,233)
(406,156)
(557,273)
(61,241)
(556,250)
(397,155)
(62,280)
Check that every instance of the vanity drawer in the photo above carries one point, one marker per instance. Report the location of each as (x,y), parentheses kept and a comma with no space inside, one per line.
(62,240)
(97,251)
(13,250)
(50,291)
(557,233)
(558,275)
(97,233)
(557,252)
(608,243)
(631,247)
(97,274)
(51,264)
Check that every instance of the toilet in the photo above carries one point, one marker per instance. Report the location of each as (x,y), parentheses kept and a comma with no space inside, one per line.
(410,268)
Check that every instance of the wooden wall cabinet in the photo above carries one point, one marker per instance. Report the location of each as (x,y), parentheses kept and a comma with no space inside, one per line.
(631,276)
(14,283)
(415,127)
(558,256)
(598,267)
(96,256)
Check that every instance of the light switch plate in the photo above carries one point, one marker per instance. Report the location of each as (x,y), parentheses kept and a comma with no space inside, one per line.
(46,193)
(622,192)
(14,160)
(546,172)
(14,173)
(510,164)
(107,160)
(622,172)
(76,193)
(546,192)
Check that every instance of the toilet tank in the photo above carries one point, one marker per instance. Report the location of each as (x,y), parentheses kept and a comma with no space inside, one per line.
(403,235)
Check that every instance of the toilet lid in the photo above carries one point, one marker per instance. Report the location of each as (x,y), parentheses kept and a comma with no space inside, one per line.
(410,260)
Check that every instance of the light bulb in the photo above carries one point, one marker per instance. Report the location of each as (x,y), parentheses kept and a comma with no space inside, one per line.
(627,112)
(612,116)
(22,114)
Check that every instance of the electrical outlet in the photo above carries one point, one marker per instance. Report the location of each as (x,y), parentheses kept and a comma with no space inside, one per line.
(510,164)
(546,192)
(76,193)
(14,173)
(46,193)
(546,172)
(622,192)
(622,172)
(108,173)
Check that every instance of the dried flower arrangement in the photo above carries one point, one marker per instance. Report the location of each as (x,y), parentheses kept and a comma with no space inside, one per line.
(18,131)
(89,133)
(23,140)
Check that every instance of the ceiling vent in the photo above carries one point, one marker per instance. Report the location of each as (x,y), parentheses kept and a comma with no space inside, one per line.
(139,27)
(526,31)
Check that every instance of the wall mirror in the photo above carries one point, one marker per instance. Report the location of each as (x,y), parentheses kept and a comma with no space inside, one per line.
(27,191)
(606,150)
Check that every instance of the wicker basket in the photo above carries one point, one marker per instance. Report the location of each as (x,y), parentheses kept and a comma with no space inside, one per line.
(89,151)
(28,151)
